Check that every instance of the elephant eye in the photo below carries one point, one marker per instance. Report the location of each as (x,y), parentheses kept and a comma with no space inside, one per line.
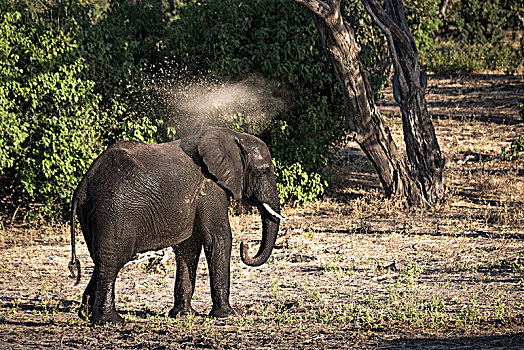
(264,168)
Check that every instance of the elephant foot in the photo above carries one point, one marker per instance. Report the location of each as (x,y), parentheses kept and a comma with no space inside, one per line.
(111,318)
(222,312)
(181,311)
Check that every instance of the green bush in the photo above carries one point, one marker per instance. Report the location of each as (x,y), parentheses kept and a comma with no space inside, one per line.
(296,184)
(75,78)
(424,23)
(479,21)
(48,110)
(468,39)
(119,48)
(59,105)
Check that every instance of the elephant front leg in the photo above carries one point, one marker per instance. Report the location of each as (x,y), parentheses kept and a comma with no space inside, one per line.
(187,254)
(218,255)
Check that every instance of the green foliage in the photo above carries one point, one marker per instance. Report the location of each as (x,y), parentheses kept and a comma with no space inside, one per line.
(120,46)
(423,21)
(76,77)
(516,149)
(470,38)
(479,21)
(449,58)
(48,109)
(296,184)
(57,107)
(275,39)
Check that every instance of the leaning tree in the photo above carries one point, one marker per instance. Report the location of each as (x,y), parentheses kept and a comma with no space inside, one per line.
(420,181)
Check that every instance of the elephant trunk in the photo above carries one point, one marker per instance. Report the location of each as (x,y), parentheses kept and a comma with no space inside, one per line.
(270,223)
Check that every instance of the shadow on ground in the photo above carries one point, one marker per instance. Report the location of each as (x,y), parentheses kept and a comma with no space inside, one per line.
(509,341)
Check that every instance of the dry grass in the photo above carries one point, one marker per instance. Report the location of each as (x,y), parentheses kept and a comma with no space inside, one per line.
(351,271)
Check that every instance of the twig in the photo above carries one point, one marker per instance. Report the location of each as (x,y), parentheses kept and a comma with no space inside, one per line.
(14,215)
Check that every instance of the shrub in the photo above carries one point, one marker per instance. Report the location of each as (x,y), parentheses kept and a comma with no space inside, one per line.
(469,38)
(296,184)
(120,48)
(479,21)
(423,21)
(48,110)
(59,105)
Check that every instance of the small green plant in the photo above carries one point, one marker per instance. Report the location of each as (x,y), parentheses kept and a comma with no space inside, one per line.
(274,286)
(244,321)
(334,314)
(49,310)
(433,311)
(500,309)
(359,315)
(311,292)
(470,314)
(411,273)
(516,149)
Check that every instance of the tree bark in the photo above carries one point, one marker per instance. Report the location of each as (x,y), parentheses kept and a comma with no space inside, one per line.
(373,135)
(409,84)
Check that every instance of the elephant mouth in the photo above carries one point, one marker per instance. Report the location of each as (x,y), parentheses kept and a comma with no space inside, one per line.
(273,212)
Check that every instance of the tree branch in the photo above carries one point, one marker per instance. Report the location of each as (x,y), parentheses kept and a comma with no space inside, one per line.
(395,11)
(381,18)
(391,41)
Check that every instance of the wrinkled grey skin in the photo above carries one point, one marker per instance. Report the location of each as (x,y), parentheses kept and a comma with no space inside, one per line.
(137,197)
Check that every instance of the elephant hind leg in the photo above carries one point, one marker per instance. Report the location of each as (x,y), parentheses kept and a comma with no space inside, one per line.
(88,298)
(104,310)
(113,246)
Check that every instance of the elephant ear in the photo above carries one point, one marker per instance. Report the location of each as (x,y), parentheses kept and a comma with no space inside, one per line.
(221,154)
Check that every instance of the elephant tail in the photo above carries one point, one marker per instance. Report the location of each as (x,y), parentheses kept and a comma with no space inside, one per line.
(74,264)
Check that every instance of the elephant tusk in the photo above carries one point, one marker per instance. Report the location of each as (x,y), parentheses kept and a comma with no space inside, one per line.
(274,213)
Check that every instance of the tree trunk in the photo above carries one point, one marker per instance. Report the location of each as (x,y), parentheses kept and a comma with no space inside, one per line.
(373,136)
(409,84)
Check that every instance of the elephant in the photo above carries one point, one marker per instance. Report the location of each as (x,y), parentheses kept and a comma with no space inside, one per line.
(137,197)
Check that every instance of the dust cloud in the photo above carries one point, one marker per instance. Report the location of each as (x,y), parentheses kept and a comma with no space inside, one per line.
(247,106)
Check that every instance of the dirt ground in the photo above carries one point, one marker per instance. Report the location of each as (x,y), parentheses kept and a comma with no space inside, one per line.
(353,270)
